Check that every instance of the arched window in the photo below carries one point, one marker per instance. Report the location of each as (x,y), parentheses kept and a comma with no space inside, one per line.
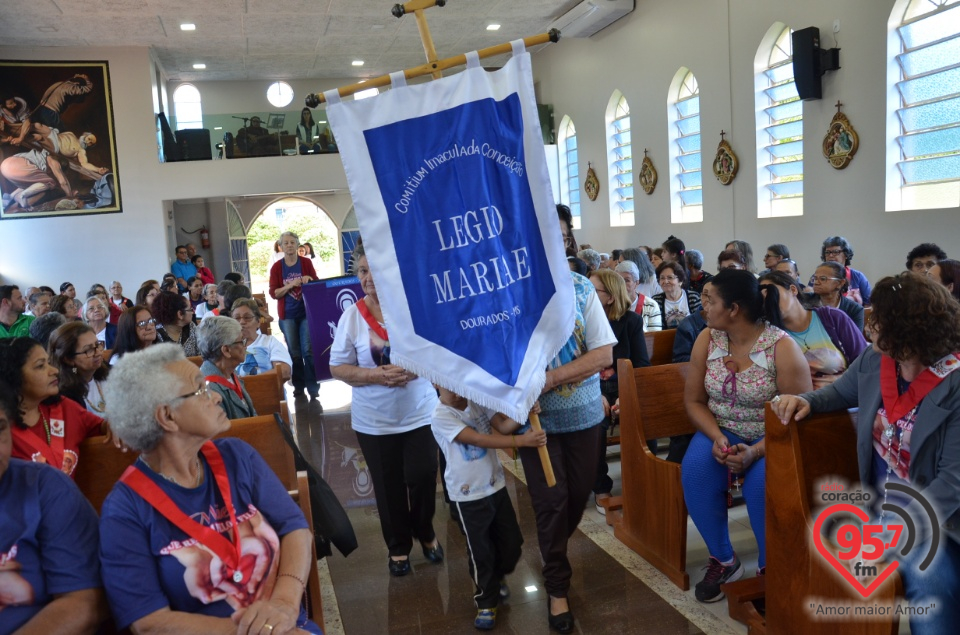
(686,182)
(187,108)
(569,169)
(923,165)
(779,128)
(620,161)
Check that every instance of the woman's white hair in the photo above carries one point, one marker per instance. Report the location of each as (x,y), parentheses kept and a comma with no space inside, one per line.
(628,266)
(86,307)
(215,332)
(139,384)
(291,235)
(207,287)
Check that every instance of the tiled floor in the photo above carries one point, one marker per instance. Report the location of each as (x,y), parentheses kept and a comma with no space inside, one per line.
(613,590)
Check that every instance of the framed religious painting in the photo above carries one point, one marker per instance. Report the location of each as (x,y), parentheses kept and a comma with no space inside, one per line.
(725,163)
(592,184)
(58,150)
(648,174)
(841,141)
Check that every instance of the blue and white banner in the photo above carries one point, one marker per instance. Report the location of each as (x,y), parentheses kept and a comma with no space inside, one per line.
(453,198)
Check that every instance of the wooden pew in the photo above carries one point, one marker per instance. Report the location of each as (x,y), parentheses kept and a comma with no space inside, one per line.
(266,391)
(797,456)
(660,346)
(101,466)
(653,515)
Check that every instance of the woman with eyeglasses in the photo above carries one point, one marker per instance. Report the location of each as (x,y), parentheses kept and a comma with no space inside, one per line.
(200,536)
(66,306)
(907,391)
(137,330)
(47,428)
(174,317)
(829,340)
(776,252)
(76,351)
(223,348)
(837,249)
(264,352)
(148,291)
(675,302)
(95,315)
(738,363)
(830,284)
(391,413)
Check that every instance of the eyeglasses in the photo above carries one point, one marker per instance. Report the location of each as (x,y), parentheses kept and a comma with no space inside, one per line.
(923,266)
(242,342)
(203,390)
(90,352)
(825,278)
(832,252)
(669,279)
(188,309)
(142,324)
(246,318)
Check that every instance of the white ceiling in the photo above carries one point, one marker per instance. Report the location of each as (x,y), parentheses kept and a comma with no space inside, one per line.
(273,39)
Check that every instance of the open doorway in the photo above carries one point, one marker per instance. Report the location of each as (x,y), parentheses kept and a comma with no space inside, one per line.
(305,219)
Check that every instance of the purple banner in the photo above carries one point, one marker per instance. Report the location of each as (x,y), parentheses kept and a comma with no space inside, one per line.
(326,300)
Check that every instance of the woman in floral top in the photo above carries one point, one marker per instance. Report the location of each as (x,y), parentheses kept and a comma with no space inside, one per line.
(738,363)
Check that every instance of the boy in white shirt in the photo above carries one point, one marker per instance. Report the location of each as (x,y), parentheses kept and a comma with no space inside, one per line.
(475,483)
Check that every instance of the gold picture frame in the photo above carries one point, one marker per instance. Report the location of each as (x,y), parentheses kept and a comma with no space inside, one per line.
(648,174)
(841,141)
(592,184)
(725,163)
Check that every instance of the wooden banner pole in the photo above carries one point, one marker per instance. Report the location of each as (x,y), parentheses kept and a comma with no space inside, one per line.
(313,100)
(544,454)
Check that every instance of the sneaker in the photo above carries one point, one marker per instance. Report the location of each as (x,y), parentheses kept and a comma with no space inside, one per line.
(600,508)
(504,590)
(708,589)
(486,619)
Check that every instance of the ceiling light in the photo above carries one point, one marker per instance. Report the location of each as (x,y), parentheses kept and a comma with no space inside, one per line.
(188,26)
(530,589)
(493,27)
(218,128)
(322,121)
(357,63)
(199,67)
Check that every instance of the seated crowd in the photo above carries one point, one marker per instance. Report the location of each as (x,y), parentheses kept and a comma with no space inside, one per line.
(110,366)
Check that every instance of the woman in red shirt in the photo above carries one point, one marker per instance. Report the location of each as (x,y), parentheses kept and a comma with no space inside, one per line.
(47,428)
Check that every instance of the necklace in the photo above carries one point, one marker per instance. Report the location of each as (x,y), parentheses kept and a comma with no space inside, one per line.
(46,425)
(101,406)
(173,480)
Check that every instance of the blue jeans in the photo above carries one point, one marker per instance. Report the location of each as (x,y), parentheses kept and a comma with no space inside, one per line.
(705,488)
(939,584)
(297,334)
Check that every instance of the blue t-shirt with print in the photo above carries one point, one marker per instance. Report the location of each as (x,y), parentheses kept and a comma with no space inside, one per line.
(149,564)
(48,541)
(293,307)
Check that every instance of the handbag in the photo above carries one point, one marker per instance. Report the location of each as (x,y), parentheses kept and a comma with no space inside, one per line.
(331,525)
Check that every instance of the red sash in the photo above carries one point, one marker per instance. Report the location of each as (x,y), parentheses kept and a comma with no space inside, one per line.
(897,405)
(234,385)
(640,300)
(371,321)
(51,452)
(227,550)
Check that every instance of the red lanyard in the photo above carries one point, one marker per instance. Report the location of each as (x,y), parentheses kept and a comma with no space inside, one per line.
(52,452)
(234,385)
(227,550)
(368,317)
(897,405)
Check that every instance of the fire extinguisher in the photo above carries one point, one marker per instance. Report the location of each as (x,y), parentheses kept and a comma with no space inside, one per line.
(204,238)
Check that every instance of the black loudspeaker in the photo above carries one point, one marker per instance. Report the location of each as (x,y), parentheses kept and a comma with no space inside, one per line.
(806,63)
(810,62)
(195,144)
